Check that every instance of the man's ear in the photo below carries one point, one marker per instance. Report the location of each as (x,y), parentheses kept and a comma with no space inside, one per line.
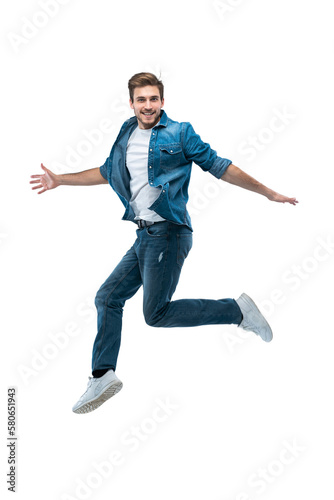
(131,103)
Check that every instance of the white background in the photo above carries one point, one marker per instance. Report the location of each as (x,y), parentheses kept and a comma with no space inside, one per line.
(237,402)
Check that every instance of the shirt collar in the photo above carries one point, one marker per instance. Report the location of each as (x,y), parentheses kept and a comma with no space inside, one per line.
(163,119)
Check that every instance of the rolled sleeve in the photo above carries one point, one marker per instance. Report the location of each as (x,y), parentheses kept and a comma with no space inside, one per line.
(219,167)
(104,169)
(202,154)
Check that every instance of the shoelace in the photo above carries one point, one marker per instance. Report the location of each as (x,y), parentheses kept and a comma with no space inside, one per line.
(88,386)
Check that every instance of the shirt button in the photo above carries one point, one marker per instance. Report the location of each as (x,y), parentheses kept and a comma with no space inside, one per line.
(151,183)
(150,166)
(150,149)
(153,133)
(171,150)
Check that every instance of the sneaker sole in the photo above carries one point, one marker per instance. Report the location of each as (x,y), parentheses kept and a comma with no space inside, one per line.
(253,306)
(99,400)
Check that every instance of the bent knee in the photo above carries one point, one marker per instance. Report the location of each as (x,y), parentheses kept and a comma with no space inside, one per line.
(153,318)
(100,299)
(103,299)
(150,320)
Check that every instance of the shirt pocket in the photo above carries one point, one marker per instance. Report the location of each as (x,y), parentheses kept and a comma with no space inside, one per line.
(171,155)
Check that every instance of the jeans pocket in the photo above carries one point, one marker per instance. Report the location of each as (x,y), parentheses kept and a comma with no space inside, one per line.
(184,244)
(157,230)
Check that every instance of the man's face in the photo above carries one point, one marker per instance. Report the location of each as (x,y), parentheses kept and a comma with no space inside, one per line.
(147,105)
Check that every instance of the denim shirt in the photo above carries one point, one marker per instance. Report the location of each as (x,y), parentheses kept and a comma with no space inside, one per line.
(172,149)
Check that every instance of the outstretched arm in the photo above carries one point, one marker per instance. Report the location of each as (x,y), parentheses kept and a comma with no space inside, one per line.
(234,175)
(49,180)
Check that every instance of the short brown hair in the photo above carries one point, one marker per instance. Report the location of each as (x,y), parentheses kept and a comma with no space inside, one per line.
(142,80)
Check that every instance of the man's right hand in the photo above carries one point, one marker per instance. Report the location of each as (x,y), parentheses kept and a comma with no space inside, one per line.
(45,181)
(49,180)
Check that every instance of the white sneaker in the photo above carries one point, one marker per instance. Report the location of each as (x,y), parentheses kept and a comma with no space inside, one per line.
(253,320)
(98,391)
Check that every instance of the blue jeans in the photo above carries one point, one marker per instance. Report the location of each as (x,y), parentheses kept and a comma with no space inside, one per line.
(154,261)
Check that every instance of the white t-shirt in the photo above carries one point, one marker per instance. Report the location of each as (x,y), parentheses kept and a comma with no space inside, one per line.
(142,194)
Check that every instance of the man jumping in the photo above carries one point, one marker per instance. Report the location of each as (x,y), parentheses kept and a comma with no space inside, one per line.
(149,168)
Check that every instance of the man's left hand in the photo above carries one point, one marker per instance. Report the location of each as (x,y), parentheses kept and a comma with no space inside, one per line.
(281,198)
